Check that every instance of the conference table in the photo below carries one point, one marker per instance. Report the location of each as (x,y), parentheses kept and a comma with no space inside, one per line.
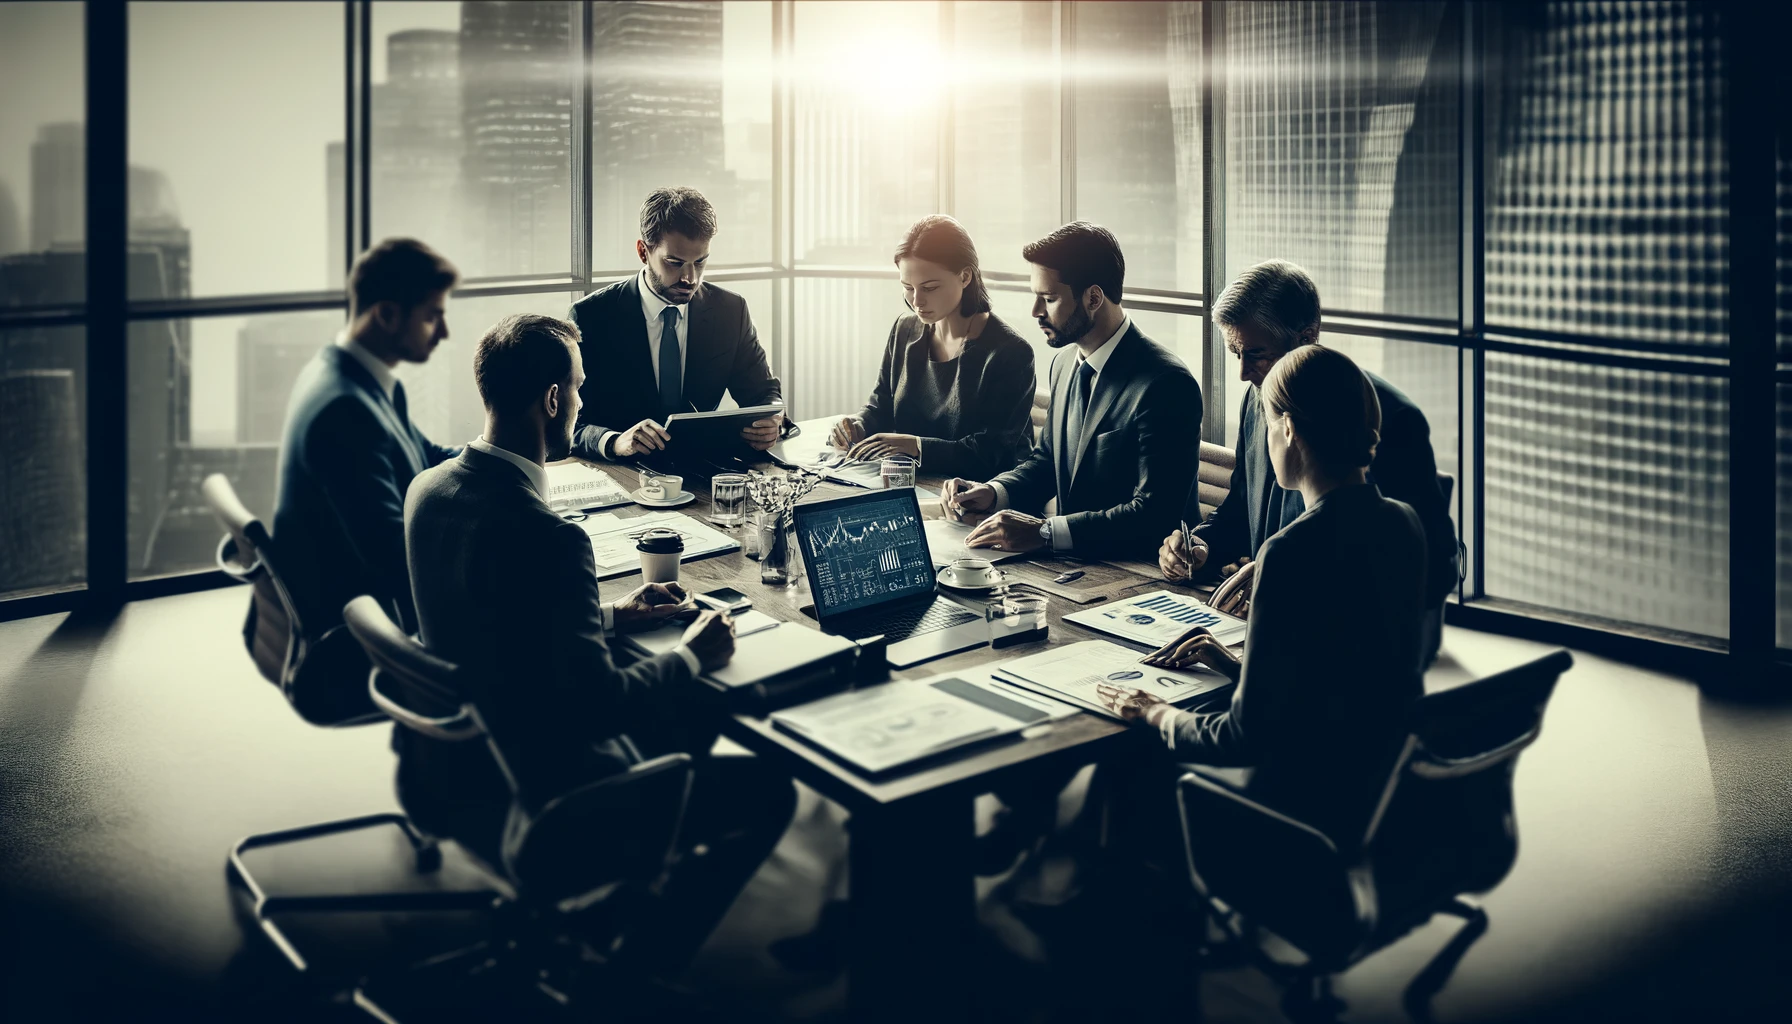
(911,914)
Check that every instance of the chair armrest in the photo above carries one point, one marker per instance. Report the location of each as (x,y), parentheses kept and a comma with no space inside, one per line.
(454,728)
(230,563)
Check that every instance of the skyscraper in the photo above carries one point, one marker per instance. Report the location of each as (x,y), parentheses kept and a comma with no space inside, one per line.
(1608,489)
(656,87)
(271,351)
(417,144)
(42,481)
(518,66)
(59,186)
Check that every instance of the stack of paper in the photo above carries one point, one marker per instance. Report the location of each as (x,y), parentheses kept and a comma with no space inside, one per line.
(613,539)
(574,485)
(1073,673)
(901,722)
(945,541)
(1159,617)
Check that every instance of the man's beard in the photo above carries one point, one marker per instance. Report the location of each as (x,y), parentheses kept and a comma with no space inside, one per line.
(665,292)
(560,440)
(1080,324)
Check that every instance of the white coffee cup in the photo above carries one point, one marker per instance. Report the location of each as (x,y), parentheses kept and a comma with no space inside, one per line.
(662,487)
(661,551)
(971,572)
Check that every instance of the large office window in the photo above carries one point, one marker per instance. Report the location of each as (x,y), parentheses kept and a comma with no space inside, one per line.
(236,112)
(1342,149)
(471,132)
(840,334)
(1137,72)
(866,80)
(1005,127)
(1607,490)
(682,95)
(43,206)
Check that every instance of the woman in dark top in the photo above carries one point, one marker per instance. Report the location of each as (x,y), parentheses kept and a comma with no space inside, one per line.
(956,386)
(1328,671)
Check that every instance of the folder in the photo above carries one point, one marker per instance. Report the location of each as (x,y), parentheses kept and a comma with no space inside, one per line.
(772,668)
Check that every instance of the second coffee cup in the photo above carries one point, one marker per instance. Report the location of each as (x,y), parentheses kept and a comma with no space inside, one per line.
(661,551)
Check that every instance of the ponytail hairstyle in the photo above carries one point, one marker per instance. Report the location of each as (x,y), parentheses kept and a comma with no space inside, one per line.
(940,239)
(1332,404)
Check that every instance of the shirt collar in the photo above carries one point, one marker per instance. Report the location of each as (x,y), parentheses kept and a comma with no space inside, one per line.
(1099,358)
(538,475)
(651,303)
(374,364)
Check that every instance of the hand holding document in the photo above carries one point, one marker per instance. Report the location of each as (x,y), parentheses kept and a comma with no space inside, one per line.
(946,541)
(1076,674)
(1158,618)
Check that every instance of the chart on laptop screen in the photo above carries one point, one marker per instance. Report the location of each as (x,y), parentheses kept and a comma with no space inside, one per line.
(866,553)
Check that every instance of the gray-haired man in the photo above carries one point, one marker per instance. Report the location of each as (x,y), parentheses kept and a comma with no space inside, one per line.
(1269,310)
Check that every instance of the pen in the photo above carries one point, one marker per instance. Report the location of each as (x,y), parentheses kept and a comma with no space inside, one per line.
(1188,543)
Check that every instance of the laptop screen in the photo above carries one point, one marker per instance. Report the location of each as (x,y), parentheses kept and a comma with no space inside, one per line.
(864,550)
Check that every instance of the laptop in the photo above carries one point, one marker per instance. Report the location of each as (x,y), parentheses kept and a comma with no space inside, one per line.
(871,573)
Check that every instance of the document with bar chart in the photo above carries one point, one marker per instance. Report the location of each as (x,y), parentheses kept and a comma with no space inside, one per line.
(1159,617)
(869,553)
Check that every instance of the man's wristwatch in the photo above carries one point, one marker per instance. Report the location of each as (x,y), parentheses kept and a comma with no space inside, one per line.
(1045,531)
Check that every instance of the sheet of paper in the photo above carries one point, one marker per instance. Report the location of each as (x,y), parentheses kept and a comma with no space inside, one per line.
(884,726)
(574,485)
(613,539)
(1074,672)
(1158,618)
(945,541)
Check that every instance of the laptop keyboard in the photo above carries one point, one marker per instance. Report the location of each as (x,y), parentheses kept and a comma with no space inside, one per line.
(900,625)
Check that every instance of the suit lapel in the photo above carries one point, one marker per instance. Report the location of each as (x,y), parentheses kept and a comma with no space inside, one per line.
(1108,385)
(1060,414)
(395,424)
(633,364)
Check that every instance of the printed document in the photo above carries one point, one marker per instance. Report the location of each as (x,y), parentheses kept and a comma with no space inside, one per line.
(574,485)
(1072,674)
(945,541)
(881,727)
(613,539)
(1158,618)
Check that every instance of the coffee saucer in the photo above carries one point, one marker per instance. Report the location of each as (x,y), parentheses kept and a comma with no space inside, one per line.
(994,579)
(670,501)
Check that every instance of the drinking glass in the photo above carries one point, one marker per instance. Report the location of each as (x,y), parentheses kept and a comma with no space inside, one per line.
(898,471)
(728,491)
(1017,618)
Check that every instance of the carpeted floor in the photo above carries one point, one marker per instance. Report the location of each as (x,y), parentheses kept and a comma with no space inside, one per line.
(1654,879)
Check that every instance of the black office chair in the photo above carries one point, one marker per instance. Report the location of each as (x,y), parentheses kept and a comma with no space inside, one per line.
(311,676)
(1443,829)
(566,852)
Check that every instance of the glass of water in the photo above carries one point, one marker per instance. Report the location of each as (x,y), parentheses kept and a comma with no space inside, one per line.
(898,471)
(729,493)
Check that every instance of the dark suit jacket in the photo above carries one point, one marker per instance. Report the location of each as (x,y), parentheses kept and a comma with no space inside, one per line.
(1404,469)
(722,353)
(1329,663)
(345,460)
(508,590)
(1122,482)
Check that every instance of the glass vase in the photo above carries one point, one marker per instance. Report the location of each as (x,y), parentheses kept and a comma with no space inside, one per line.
(780,563)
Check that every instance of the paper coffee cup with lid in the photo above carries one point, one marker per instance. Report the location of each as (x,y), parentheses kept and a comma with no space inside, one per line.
(661,551)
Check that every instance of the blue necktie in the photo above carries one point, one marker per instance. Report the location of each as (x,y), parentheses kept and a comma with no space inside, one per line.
(671,366)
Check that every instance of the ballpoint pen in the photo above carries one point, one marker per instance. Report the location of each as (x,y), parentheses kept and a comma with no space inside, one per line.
(1188,543)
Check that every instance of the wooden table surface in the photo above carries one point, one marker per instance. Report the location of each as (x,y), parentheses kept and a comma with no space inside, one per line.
(912,914)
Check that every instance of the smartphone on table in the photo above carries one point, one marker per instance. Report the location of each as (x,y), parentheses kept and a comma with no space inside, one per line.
(725,599)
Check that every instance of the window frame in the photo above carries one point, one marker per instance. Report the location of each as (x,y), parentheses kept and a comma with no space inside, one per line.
(1749,361)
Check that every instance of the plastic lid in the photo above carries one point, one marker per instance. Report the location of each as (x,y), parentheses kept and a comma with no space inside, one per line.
(660,542)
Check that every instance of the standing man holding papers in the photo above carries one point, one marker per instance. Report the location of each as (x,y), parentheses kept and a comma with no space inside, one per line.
(508,591)
(664,342)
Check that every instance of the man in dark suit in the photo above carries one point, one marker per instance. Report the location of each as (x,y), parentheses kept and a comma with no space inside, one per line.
(1269,311)
(508,590)
(349,448)
(664,342)
(1115,452)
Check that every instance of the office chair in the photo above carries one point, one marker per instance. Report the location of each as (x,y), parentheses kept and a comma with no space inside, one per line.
(1443,829)
(306,673)
(565,852)
(1213,479)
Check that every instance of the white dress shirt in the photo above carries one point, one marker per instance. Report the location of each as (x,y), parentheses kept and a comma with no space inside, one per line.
(538,476)
(1060,525)
(651,305)
(375,365)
